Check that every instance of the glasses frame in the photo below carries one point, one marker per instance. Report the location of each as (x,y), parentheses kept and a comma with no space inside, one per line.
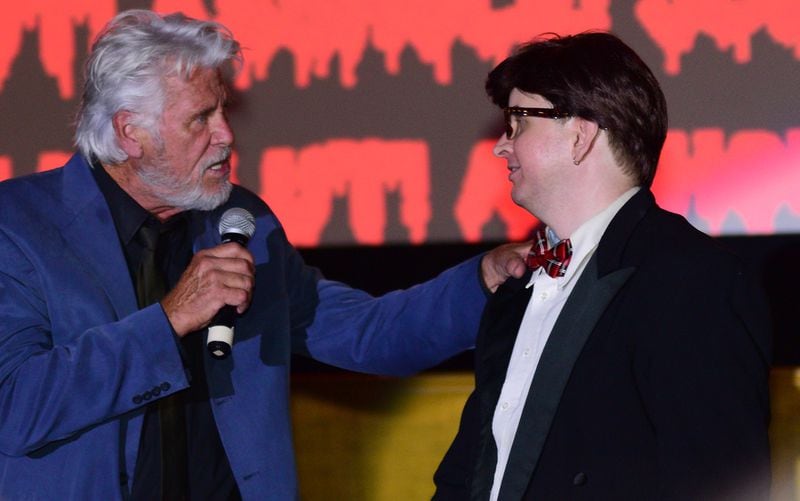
(518,111)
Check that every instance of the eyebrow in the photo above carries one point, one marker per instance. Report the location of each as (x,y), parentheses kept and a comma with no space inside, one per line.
(208,110)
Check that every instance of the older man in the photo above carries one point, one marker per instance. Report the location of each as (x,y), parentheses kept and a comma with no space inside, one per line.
(111,265)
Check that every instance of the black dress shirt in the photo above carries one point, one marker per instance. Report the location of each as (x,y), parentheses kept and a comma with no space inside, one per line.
(210,475)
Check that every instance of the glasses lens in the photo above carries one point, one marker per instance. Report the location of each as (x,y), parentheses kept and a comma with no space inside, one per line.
(509,127)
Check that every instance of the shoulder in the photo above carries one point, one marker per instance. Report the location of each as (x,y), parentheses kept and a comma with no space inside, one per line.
(657,242)
(246,199)
(31,201)
(679,267)
(674,240)
(53,196)
(24,190)
(642,234)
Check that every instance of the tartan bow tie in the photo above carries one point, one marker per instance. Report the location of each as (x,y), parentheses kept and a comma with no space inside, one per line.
(554,260)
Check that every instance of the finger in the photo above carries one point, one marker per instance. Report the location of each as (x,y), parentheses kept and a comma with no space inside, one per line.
(229,250)
(222,260)
(523,249)
(209,283)
(516,267)
(239,290)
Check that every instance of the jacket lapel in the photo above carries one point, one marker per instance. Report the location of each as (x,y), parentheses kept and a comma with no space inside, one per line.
(90,238)
(89,232)
(498,332)
(583,309)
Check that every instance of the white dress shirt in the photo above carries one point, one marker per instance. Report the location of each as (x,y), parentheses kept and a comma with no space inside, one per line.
(547,300)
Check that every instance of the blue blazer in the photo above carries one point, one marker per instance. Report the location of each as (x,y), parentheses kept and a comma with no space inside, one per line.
(79,361)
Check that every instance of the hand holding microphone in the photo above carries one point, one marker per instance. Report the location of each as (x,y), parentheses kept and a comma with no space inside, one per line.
(217,283)
(236,225)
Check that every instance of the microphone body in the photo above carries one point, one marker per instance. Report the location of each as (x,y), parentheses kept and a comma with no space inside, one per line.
(236,225)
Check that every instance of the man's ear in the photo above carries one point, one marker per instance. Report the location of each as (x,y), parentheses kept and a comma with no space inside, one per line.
(128,133)
(586,133)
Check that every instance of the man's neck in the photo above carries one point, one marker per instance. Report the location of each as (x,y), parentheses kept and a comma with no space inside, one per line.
(124,176)
(571,216)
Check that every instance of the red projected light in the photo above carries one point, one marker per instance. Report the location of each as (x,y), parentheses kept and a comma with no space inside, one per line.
(675,25)
(354,61)
(316,31)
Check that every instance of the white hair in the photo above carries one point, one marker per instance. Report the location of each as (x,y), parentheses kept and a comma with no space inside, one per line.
(126,69)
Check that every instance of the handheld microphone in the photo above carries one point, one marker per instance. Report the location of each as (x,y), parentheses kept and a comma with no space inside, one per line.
(235,225)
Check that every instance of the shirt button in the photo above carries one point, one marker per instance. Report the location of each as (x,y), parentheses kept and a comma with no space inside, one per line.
(543,296)
(504,406)
(526,352)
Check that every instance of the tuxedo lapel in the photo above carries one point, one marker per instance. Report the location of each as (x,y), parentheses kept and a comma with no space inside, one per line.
(496,336)
(581,312)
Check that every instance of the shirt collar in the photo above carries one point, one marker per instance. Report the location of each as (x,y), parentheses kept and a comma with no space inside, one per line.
(126,212)
(585,239)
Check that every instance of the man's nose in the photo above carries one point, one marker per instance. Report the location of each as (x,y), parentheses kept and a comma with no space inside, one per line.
(503,147)
(222,134)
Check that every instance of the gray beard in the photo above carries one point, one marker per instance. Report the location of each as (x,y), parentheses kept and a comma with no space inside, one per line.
(175,194)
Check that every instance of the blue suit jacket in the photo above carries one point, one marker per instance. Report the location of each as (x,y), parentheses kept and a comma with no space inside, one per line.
(79,361)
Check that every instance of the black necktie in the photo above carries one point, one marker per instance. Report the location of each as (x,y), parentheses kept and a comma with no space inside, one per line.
(151,286)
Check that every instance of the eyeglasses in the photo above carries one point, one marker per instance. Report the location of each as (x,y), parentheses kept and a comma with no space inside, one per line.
(516,111)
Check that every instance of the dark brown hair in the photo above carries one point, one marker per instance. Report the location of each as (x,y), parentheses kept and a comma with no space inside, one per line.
(595,76)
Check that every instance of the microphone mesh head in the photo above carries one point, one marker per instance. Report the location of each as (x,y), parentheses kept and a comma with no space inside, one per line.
(237,220)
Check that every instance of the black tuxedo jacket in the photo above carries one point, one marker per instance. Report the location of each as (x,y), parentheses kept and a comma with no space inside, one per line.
(652,384)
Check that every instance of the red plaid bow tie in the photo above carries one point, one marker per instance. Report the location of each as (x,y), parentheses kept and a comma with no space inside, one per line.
(554,260)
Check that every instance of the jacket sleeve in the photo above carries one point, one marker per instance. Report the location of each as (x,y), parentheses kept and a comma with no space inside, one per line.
(399,333)
(704,382)
(52,391)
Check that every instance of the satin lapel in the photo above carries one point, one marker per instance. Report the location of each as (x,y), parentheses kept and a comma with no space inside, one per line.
(581,312)
(496,337)
(88,231)
(497,334)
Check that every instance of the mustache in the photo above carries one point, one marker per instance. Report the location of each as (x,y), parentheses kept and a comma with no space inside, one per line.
(223,156)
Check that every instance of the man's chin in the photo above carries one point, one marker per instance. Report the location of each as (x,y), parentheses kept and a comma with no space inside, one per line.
(210,201)
(221,196)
